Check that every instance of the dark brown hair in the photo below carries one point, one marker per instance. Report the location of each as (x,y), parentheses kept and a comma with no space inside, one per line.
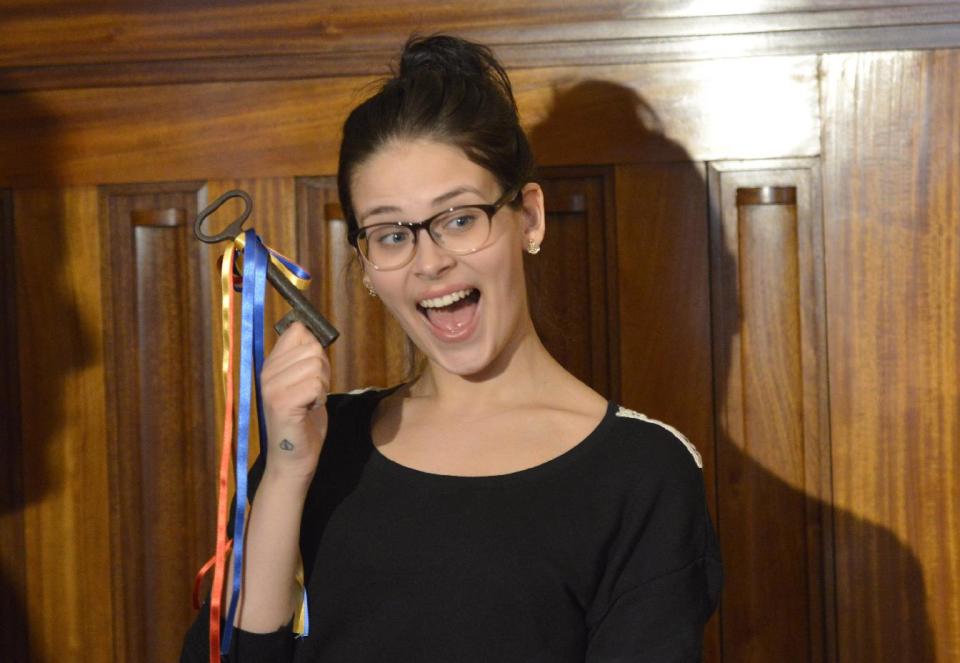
(447,89)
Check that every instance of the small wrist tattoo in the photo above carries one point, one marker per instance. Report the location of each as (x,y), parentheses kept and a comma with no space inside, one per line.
(286,445)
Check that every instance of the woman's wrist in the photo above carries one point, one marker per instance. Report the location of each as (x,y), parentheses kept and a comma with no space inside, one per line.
(280,479)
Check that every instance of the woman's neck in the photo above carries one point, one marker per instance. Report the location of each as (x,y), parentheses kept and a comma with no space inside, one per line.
(519,374)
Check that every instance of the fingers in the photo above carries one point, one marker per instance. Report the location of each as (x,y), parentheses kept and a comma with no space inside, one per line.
(280,361)
(296,344)
(296,376)
(296,334)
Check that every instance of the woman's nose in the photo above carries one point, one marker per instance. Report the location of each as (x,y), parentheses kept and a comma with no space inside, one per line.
(429,260)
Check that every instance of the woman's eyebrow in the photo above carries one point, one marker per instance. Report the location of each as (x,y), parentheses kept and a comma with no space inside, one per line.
(382,209)
(453,193)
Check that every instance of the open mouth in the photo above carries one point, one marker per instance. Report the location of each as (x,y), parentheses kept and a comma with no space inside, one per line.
(451,314)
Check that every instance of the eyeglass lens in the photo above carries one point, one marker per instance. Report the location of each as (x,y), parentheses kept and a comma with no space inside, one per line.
(462,230)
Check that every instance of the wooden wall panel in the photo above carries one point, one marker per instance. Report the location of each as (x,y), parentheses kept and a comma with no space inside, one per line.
(162,436)
(66,514)
(751,108)
(274,219)
(372,349)
(747,108)
(892,215)
(13,574)
(664,308)
(771,400)
(572,281)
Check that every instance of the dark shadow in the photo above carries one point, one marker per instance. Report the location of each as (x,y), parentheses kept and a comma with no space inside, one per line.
(35,303)
(620,123)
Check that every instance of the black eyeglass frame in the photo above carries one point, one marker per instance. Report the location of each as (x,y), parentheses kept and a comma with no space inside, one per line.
(490,209)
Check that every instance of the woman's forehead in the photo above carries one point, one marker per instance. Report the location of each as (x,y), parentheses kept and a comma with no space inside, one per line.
(418,172)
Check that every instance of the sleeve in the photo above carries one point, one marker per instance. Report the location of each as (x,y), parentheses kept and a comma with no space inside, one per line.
(245,647)
(663,572)
(249,647)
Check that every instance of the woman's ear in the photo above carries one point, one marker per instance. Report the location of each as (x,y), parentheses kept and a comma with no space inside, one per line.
(534,215)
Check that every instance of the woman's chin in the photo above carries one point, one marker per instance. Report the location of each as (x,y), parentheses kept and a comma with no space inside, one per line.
(463,361)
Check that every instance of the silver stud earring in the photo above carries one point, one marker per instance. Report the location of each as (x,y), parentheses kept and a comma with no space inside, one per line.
(533,248)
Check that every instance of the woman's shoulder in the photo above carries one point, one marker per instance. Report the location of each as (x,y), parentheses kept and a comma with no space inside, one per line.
(650,454)
(652,436)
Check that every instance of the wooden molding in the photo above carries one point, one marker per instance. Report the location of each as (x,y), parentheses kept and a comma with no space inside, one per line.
(195,44)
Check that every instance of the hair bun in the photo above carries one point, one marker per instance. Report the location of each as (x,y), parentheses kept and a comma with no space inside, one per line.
(442,54)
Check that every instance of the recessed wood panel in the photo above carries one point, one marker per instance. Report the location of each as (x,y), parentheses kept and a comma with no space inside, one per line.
(160,402)
(892,225)
(571,282)
(771,399)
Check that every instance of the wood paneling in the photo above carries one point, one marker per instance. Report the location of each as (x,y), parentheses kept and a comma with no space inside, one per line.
(253,95)
(160,401)
(13,578)
(98,45)
(578,115)
(572,291)
(892,213)
(165,133)
(274,219)
(372,349)
(664,307)
(66,514)
(771,400)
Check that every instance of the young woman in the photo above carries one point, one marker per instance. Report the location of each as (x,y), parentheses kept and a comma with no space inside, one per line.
(494,508)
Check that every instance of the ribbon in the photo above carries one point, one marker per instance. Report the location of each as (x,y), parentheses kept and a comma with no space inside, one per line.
(255,256)
(226,316)
(251,341)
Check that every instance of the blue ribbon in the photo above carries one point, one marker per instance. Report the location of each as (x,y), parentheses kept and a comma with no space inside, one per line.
(294,268)
(255,260)
(251,359)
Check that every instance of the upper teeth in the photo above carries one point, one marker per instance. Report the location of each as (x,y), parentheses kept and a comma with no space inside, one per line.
(445,300)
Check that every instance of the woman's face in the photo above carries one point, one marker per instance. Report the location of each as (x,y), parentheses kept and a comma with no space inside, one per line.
(412,180)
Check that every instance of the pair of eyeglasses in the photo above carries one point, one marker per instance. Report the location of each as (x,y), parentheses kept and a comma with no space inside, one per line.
(460,230)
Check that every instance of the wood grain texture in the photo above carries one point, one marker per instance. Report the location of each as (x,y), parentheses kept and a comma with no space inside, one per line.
(570,294)
(13,580)
(752,108)
(274,219)
(160,402)
(66,513)
(892,225)
(771,400)
(372,351)
(663,281)
(92,45)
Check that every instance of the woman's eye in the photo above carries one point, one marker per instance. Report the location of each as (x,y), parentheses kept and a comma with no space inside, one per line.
(390,237)
(460,221)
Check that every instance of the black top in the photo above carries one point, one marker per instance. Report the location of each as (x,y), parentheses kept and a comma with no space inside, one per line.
(604,553)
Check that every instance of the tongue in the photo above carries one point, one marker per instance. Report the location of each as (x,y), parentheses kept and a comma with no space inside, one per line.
(452,318)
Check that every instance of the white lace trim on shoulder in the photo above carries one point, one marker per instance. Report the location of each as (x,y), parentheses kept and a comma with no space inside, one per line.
(633,414)
(361,390)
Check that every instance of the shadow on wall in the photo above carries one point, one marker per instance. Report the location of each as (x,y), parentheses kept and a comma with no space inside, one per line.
(35,296)
(753,620)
